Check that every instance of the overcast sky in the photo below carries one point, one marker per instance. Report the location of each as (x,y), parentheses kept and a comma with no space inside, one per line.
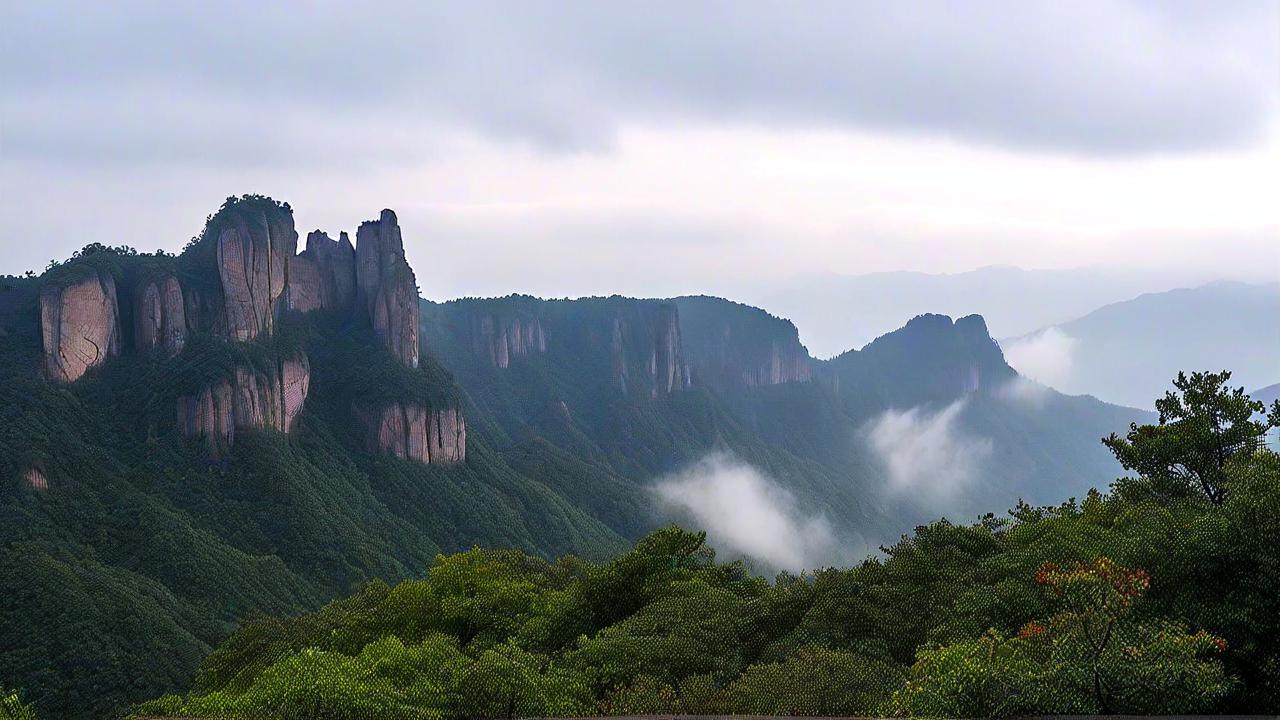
(652,148)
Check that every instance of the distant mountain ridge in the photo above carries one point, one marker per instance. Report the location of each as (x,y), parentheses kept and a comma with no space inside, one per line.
(1125,352)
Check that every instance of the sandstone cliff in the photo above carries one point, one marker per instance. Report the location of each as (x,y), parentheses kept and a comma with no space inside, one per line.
(415,432)
(253,253)
(248,400)
(387,287)
(80,325)
(324,275)
(159,316)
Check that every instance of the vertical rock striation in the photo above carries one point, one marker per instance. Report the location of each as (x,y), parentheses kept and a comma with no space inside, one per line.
(253,255)
(248,400)
(159,316)
(80,326)
(415,432)
(387,286)
(501,338)
(323,275)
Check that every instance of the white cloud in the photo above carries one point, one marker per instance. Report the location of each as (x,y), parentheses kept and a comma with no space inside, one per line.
(1023,391)
(925,454)
(1045,356)
(745,512)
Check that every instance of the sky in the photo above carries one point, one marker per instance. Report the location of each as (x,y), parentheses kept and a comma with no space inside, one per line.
(657,148)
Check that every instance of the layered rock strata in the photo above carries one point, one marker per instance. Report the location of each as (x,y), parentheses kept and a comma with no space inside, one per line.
(80,326)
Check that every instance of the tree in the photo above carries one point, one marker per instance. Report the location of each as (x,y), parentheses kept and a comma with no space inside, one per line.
(1201,426)
(12,707)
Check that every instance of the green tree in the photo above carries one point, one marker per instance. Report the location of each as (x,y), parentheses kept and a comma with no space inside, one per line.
(12,707)
(1202,424)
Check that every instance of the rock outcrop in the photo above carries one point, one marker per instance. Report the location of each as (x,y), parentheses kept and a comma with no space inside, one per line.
(159,316)
(80,324)
(387,287)
(248,400)
(324,275)
(501,338)
(254,250)
(35,479)
(415,432)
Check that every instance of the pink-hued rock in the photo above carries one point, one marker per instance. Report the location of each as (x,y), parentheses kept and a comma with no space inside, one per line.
(500,339)
(248,400)
(80,326)
(387,286)
(305,292)
(159,316)
(448,436)
(253,259)
(36,479)
(414,432)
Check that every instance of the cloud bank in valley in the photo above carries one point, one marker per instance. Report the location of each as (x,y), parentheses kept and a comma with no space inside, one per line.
(925,453)
(744,512)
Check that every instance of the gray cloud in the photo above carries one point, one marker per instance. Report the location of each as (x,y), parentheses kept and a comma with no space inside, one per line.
(137,82)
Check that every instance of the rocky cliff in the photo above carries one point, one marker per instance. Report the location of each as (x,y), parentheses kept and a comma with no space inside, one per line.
(237,279)
(416,432)
(253,253)
(80,325)
(387,287)
(249,399)
(324,275)
(159,316)
(731,344)
(500,338)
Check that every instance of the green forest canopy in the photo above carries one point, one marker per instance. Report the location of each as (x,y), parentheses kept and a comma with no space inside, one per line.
(1162,596)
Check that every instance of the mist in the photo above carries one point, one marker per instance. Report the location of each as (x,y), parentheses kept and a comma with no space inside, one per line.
(1045,356)
(745,512)
(926,454)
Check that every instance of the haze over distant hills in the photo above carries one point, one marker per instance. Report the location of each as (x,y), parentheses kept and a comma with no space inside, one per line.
(838,312)
(1126,352)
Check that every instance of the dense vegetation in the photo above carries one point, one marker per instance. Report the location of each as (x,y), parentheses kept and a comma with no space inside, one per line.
(1158,597)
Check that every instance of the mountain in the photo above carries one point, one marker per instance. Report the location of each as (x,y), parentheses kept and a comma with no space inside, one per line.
(245,428)
(837,312)
(1127,351)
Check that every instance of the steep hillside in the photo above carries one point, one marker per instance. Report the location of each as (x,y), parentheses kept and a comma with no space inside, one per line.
(1127,351)
(187,441)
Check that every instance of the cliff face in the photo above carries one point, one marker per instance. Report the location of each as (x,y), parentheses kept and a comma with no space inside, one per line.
(651,334)
(730,344)
(236,282)
(415,432)
(387,286)
(80,325)
(247,400)
(500,338)
(159,317)
(323,275)
(253,255)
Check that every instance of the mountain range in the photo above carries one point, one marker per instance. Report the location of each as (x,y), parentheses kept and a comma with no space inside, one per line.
(248,428)
(1125,352)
